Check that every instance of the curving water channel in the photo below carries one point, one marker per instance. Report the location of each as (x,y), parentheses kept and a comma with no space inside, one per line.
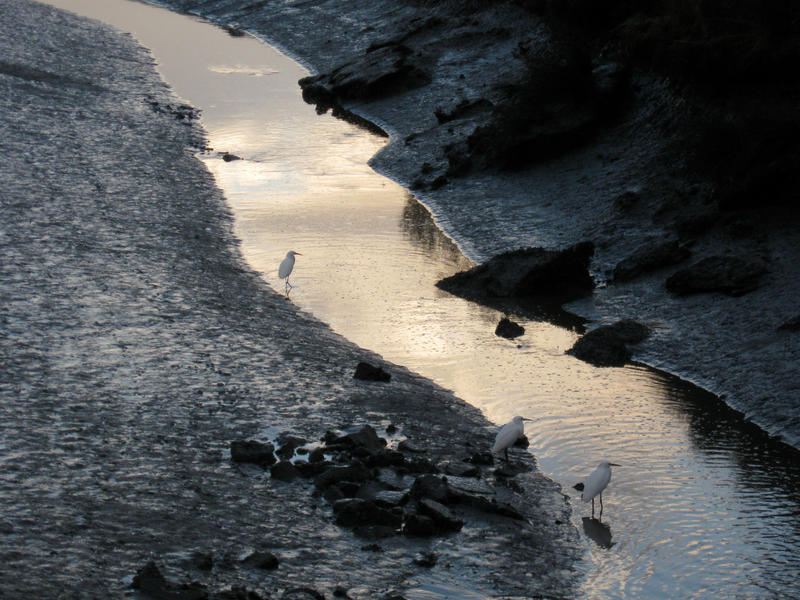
(704,505)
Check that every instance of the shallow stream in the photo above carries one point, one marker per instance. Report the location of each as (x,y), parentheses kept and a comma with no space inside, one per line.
(704,504)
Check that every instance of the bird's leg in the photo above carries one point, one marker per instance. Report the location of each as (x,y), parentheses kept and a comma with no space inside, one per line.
(506,452)
(601,505)
(593,508)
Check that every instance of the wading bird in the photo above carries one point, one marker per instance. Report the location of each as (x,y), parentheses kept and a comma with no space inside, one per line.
(596,483)
(287,264)
(508,434)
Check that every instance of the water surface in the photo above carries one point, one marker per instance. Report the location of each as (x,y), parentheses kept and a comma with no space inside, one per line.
(704,504)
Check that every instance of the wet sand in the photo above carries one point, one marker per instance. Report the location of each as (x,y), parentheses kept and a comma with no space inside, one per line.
(137,344)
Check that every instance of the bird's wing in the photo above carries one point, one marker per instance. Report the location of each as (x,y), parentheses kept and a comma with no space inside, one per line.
(596,483)
(507,435)
(286,267)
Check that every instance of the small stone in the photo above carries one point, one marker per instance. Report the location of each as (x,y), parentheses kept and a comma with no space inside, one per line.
(508,329)
(417,525)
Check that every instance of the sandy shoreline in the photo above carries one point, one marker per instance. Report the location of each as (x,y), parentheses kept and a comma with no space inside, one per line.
(736,347)
(137,345)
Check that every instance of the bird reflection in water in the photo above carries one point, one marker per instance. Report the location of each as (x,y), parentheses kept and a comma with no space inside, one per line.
(597,531)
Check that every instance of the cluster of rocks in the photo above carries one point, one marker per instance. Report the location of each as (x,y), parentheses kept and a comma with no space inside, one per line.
(380,492)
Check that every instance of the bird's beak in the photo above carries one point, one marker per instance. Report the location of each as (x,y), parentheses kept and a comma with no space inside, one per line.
(526,419)
(614,465)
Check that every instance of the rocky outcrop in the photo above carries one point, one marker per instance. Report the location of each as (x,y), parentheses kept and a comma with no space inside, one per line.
(152,584)
(547,276)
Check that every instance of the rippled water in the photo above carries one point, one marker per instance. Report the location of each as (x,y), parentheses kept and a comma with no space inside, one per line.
(704,505)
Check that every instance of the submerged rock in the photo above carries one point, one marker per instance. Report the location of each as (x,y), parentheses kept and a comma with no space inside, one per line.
(548,276)
(508,329)
(730,275)
(607,346)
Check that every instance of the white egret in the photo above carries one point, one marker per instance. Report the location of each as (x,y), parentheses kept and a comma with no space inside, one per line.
(287,264)
(509,434)
(596,483)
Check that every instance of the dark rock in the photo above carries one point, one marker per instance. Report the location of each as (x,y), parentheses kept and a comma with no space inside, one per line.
(534,273)
(204,561)
(578,486)
(481,458)
(312,469)
(368,372)
(791,325)
(366,437)
(418,464)
(238,592)
(372,548)
(351,512)
(302,593)
(391,429)
(228,157)
(444,518)
(261,560)
(316,455)
(285,471)
(368,490)
(150,582)
(425,559)
(385,458)
(408,446)
(287,445)
(648,257)
(610,84)
(417,525)
(390,498)
(508,329)
(627,200)
(252,451)
(730,275)
(459,469)
(606,346)
(353,473)
(340,592)
(431,486)
(511,469)
(391,480)
(333,493)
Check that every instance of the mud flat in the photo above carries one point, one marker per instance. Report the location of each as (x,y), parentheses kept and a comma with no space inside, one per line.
(137,346)
(513,138)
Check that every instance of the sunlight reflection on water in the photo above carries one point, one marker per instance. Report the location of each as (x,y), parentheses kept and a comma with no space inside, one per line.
(703,504)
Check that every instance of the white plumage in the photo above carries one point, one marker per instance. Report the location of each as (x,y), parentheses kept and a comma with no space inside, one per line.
(287,264)
(508,434)
(596,483)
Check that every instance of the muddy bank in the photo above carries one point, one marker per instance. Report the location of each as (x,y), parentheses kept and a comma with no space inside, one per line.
(515,136)
(137,345)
